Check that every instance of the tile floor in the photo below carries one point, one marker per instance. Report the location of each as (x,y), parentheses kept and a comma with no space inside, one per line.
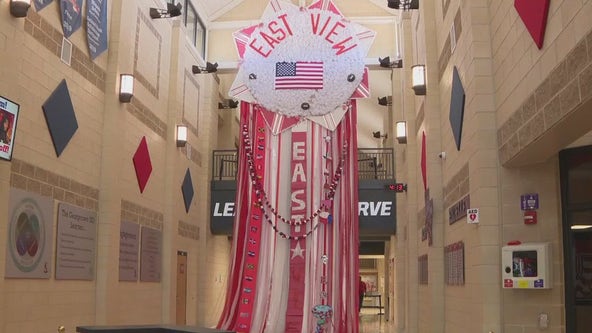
(372,322)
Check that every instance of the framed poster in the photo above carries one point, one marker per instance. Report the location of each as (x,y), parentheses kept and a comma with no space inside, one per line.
(76,243)
(30,235)
(9,111)
(129,240)
(150,255)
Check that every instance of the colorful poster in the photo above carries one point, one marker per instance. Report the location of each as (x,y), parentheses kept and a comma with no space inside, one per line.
(129,240)
(40,4)
(151,255)
(76,243)
(71,11)
(8,117)
(30,235)
(96,27)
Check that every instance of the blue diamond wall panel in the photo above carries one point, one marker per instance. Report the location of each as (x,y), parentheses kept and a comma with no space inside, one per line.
(187,189)
(457,107)
(60,117)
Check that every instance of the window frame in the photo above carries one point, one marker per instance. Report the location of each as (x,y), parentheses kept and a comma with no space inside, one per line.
(197,23)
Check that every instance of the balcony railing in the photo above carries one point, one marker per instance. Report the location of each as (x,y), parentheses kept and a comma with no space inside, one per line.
(373,163)
(225,164)
(376,163)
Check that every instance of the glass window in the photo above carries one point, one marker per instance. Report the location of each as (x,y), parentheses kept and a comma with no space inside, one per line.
(195,29)
(200,38)
(190,20)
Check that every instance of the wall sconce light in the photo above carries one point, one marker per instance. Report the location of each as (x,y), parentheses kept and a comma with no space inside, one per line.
(403,4)
(171,11)
(378,135)
(126,88)
(210,68)
(19,8)
(387,63)
(418,79)
(181,135)
(228,104)
(401,127)
(385,101)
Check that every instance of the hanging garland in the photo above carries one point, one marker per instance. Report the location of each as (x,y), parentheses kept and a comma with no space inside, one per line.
(263,201)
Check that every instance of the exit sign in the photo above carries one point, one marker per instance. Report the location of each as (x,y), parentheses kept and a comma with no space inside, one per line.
(397,187)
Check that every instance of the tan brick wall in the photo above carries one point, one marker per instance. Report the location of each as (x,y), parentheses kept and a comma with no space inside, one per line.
(519,66)
(31,70)
(537,92)
(515,94)
(96,171)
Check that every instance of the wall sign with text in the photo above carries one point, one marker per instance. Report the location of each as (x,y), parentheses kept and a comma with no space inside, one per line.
(376,207)
(8,116)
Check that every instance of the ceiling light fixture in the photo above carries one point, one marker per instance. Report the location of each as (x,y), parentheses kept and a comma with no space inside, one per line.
(580,226)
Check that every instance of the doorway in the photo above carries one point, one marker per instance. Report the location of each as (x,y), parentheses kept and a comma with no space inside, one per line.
(576,204)
(181,288)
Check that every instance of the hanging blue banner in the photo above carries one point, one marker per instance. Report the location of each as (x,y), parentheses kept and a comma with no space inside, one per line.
(71,16)
(40,4)
(96,27)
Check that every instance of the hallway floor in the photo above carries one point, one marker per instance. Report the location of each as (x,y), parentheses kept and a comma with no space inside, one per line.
(372,322)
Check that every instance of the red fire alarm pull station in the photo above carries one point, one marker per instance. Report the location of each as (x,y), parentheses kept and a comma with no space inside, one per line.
(530,217)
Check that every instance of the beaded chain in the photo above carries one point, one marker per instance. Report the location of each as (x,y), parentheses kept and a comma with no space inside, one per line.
(263,201)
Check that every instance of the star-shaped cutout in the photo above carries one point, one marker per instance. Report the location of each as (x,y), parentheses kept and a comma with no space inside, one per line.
(256,77)
(297,251)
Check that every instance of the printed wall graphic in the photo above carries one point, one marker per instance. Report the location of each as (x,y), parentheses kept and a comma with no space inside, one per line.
(8,116)
(76,243)
(96,27)
(129,240)
(30,235)
(71,11)
(151,255)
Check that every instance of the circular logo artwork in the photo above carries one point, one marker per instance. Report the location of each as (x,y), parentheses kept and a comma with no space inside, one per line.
(26,236)
(301,61)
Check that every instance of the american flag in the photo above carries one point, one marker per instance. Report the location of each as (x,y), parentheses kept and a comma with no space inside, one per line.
(298,75)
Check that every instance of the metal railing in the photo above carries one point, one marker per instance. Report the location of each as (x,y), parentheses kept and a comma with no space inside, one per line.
(225,164)
(376,163)
(373,163)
